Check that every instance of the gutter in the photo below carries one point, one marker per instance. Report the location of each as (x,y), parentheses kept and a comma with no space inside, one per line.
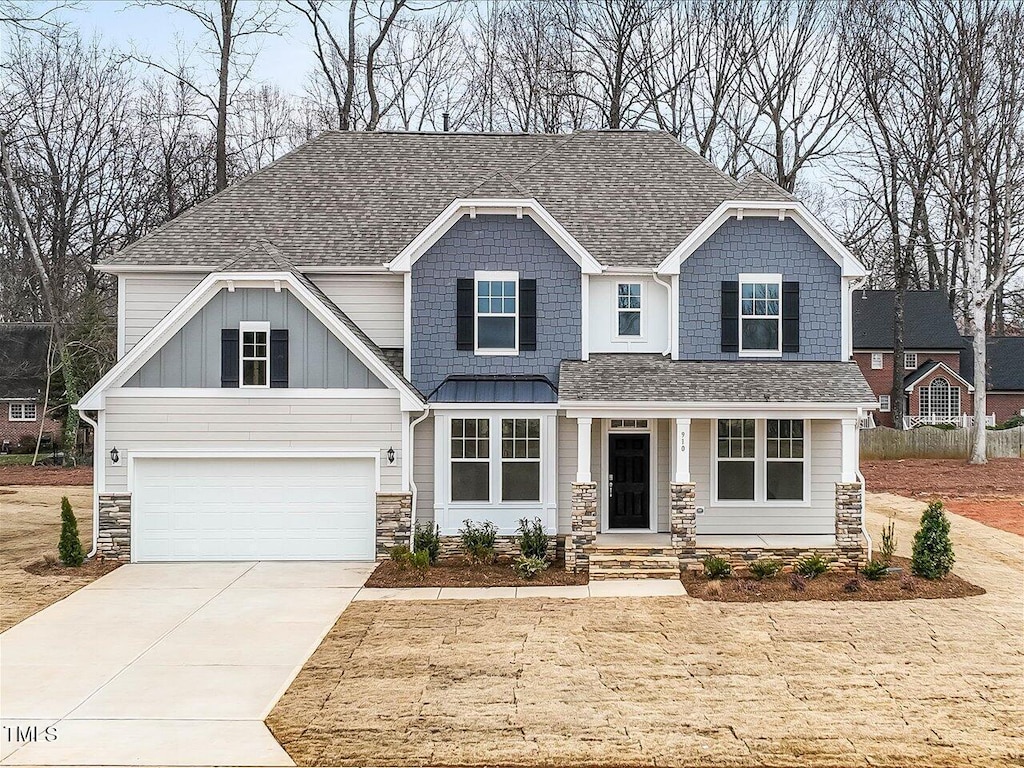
(412,476)
(97,469)
(671,320)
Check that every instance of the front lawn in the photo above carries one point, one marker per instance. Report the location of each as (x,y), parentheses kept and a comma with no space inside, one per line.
(15,459)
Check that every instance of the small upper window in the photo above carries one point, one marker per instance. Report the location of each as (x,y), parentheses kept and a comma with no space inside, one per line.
(21,412)
(255,354)
(884,403)
(910,360)
(497,311)
(761,314)
(876,360)
(628,309)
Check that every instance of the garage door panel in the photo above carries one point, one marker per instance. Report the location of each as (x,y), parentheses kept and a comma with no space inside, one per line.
(253,509)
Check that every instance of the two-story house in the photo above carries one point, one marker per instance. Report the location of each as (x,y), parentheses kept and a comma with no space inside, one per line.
(388,329)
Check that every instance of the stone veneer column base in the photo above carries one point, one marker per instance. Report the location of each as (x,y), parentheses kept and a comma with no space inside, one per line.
(584,527)
(683,516)
(114,536)
(394,522)
(850,541)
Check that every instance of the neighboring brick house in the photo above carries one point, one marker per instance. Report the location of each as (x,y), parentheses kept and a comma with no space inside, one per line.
(1004,358)
(24,348)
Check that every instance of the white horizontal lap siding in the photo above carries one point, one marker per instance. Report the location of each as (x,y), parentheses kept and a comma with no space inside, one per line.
(818,518)
(184,425)
(567,436)
(374,302)
(147,299)
(423,470)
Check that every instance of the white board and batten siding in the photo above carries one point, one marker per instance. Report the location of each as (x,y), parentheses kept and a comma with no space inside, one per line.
(376,303)
(239,425)
(148,298)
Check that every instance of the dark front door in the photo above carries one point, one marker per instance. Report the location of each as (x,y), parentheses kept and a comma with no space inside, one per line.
(629,466)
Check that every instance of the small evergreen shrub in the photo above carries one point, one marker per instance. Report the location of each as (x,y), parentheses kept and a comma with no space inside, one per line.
(811,566)
(478,541)
(399,554)
(70,546)
(932,554)
(717,567)
(765,568)
(889,541)
(875,570)
(797,582)
(532,541)
(853,585)
(427,538)
(420,561)
(528,567)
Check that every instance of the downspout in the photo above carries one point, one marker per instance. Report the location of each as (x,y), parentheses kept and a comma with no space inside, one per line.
(668,287)
(97,470)
(412,476)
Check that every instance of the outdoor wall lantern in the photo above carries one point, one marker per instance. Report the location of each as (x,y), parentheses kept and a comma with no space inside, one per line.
(114,455)
(391,455)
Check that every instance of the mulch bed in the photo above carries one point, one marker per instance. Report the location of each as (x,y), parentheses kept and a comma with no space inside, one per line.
(45,475)
(459,573)
(50,566)
(742,588)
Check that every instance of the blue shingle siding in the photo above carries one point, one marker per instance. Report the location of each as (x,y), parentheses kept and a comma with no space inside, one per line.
(493,243)
(760,245)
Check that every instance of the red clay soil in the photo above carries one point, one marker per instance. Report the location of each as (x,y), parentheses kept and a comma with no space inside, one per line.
(45,475)
(992,494)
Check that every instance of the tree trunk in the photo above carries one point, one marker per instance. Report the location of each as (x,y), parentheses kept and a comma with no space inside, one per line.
(227,10)
(979,449)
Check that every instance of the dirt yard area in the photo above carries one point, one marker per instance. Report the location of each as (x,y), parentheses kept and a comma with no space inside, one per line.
(29,531)
(20,474)
(991,493)
(677,681)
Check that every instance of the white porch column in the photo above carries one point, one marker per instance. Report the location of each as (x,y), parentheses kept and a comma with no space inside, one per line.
(681,469)
(851,450)
(583,450)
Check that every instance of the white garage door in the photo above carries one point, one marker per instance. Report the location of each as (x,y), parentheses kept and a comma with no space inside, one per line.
(253,509)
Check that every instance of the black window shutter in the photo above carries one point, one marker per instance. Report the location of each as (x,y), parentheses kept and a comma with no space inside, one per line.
(229,357)
(730,316)
(791,317)
(464,332)
(528,315)
(278,358)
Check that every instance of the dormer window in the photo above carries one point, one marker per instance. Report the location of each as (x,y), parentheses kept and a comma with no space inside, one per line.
(760,315)
(628,309)
(255,354)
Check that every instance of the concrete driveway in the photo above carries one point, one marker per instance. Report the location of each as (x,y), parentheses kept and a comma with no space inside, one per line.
(169,664)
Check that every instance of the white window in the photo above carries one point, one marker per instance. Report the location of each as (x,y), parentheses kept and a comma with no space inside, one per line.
(471,464)
(628,424)
(736,459)
(876,360)
(939,401)
(497,312)
(628,309)
(255,354)
(884,403)
(761,315)
(761,461)
(784,471)
(910,360)
(520,459)
(21,412)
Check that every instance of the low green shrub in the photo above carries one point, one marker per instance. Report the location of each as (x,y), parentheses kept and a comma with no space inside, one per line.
(1010,423)
(478,541)
(811,566)
(420,561)
(765,568)
(875,570)
(528,567)
(889,541)
(70,546)
(532,541)
(717,567)
(932,554)
(400,554)
(427,538)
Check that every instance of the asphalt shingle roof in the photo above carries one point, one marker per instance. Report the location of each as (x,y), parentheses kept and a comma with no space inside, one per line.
(1004,360)
(928,321)
(654,378)
(23,351)
(357,199)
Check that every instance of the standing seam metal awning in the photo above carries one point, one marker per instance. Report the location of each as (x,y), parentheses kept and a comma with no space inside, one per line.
(495,389)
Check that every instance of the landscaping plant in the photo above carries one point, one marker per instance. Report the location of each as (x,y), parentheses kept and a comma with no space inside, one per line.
(853,585)
(400,555)
(532,541)
(875,570)
(716,567)
(765,568)
(889,541)
(932,553)
(427,538)
(70,546)
(478,541)
(797,582)
(420,561)
(811,566)
(528,567)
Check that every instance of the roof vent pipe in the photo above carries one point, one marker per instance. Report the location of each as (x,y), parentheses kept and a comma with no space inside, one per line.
(444,117)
